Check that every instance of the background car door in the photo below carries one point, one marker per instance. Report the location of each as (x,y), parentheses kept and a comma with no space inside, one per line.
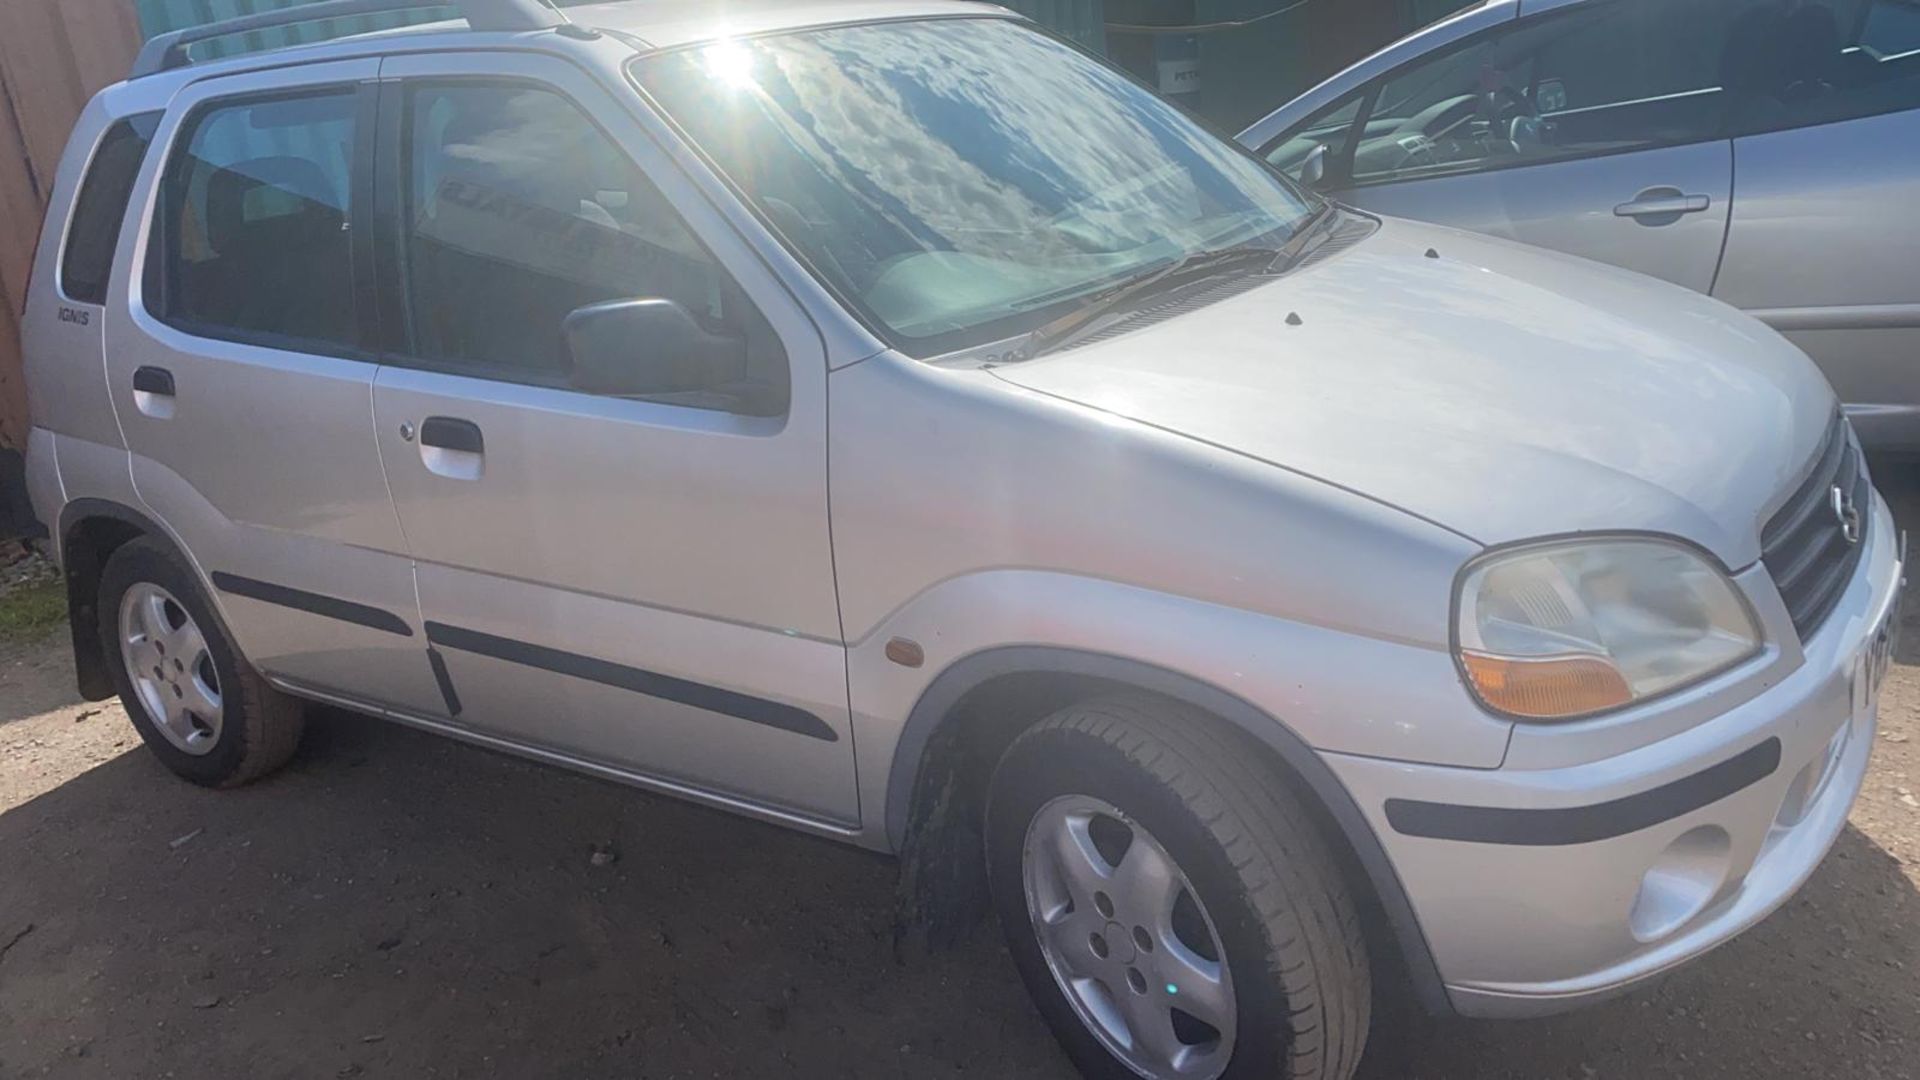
(1825,240)
(645,581)
(1595,130)
(237,375)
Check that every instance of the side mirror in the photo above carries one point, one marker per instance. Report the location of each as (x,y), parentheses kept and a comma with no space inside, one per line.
(1313,167)
(654,348)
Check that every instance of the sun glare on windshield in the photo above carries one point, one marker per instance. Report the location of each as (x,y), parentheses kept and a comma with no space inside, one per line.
(730,64)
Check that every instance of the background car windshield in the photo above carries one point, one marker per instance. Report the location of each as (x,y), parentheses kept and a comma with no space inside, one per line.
(963,180)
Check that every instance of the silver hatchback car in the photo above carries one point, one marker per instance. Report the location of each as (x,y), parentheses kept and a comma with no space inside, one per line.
(1762,151)
(886,420)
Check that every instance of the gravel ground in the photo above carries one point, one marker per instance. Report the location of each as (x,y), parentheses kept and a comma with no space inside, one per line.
(398,905)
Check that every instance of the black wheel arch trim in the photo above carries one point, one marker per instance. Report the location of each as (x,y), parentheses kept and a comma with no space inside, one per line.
(1561,826)
(92,674)
(937,701)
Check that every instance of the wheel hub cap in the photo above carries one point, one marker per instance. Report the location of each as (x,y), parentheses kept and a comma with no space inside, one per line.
(172,672)
(1127,940)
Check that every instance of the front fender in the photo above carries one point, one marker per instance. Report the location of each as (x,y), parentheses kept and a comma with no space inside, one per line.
(896,755)
(1332,690)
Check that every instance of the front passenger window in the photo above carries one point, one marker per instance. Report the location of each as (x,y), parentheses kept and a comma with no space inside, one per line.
(520,211)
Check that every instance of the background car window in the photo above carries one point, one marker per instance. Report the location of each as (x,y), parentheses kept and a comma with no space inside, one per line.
(1791,65)
(101,206)
(519,211)
(1891,27)
(1598,79)
(1331,127)
(254,221)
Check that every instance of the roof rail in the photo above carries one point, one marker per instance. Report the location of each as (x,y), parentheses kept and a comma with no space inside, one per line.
(168,51)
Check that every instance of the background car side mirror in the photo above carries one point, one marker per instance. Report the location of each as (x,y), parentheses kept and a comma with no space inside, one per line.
(655,348)
(1313,167)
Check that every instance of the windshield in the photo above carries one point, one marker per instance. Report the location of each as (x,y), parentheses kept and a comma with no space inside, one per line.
(960,181)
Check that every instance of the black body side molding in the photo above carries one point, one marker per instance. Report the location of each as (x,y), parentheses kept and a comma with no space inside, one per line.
(331,607)
(445,681)
(1585,824)
(699,695)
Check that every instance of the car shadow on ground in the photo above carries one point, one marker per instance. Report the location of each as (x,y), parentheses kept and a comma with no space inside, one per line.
(405,906)
(26,693)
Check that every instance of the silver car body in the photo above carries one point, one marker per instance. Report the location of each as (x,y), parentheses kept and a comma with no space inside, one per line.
(1263,515)
(1809,229)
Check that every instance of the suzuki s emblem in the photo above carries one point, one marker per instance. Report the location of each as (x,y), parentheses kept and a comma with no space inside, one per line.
(1847,514)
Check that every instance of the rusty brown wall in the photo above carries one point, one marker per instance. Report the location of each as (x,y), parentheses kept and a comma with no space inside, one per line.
(53,55)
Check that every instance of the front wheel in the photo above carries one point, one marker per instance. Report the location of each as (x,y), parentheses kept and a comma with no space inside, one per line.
(1170,905)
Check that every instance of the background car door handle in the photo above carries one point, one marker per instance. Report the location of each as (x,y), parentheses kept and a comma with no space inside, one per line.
(452,448)
(1662,202)
(153,380)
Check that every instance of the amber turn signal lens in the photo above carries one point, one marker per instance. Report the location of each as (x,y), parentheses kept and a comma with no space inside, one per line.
(1547,688)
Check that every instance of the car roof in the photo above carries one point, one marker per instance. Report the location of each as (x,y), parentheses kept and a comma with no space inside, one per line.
(645,25)
(666,24)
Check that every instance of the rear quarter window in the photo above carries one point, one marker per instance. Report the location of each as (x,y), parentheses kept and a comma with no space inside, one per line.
(94,232)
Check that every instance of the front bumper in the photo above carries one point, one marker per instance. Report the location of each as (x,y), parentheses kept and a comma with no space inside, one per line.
(1541,889)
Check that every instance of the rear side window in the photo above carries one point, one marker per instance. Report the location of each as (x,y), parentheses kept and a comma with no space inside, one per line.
(1824,63)
(94,231)
(253,224)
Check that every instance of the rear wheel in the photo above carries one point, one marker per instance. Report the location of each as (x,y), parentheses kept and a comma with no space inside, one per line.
(196,703)
(1171,907)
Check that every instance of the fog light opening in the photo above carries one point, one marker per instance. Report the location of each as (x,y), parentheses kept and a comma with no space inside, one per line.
(1681,883)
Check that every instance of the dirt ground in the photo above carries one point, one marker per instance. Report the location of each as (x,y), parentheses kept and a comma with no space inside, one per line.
(396,905)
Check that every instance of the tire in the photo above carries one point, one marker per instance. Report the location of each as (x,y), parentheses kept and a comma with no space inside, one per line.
(1284,926)
(256,728)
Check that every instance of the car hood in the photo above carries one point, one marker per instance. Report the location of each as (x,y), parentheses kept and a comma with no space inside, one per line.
(1500,391)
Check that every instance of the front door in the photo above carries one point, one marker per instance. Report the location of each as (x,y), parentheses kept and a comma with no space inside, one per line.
(235,361)
(642,581)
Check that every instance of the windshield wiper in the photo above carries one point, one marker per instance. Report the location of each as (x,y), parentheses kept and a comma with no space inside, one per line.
(1056,333)
(1306,236)
(1310,235)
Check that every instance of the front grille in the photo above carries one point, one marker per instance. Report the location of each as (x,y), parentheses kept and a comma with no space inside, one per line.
(1804,545)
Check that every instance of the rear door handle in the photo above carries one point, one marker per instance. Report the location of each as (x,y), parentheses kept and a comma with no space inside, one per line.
(153,380)
(1662,202)
(452,447)
(153,392)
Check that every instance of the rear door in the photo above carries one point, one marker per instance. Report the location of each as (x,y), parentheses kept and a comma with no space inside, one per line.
(640,582)
(1825,241)
(1595,130)
(236,369)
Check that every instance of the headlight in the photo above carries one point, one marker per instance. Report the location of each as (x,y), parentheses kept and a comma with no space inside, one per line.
(1562,630)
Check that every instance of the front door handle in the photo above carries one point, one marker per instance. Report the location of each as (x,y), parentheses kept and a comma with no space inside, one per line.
(452,447)
(1662,202)
(449,433)
(153,392)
